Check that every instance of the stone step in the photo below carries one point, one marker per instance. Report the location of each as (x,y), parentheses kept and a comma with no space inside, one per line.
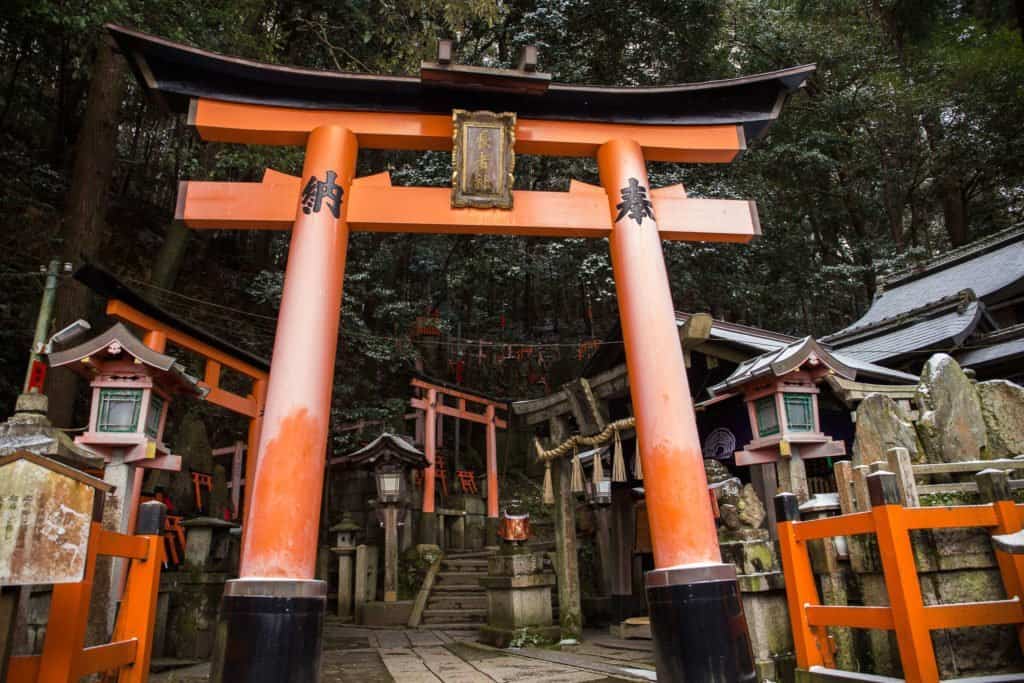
(463,554)
(453,601)
(463,565)
(468,589)
(449,616)
(460,578)
(454,626)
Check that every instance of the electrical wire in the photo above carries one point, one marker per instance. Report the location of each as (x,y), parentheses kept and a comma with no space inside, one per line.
(463,344)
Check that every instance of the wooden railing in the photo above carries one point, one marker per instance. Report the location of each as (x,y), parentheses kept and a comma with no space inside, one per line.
(852,487)
(906,614)
(65,658)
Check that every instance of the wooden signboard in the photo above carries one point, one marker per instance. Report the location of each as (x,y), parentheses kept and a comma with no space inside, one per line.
(46,512)
(483,159)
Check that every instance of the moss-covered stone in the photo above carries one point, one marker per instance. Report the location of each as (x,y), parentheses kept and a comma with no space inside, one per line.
(951,426)
(881,425)
(1002,407)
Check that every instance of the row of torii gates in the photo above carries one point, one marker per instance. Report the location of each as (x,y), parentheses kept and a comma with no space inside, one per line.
(271,616)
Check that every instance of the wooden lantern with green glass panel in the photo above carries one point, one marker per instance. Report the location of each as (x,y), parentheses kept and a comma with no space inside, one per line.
(781,393)
(132,388)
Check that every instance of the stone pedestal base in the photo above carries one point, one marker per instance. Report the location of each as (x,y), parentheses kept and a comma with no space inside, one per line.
(751,555)
(518,600)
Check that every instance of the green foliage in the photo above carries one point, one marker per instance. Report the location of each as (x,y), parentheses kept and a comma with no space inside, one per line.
(906,141)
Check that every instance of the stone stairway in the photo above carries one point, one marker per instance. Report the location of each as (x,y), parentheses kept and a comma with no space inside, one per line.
(457,600)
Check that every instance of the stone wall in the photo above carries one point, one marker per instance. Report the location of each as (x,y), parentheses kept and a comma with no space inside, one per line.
(953,566)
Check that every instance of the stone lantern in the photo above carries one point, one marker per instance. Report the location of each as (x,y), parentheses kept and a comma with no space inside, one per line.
(346,533)
(781,392)
(390,458)
(132,388)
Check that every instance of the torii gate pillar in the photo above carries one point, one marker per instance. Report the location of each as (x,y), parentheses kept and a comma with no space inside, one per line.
(272,616)
(697,636)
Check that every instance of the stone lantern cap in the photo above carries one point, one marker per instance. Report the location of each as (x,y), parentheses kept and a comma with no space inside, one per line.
(117,344)
(386,449)
(346,524)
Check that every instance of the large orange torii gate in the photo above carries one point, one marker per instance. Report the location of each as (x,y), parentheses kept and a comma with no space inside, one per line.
(273,613)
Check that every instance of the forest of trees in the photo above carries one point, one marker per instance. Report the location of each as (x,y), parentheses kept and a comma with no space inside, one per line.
(908,141)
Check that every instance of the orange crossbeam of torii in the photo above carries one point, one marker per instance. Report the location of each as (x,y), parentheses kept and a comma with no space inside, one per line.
(377,206)
(261,125)
(432,404)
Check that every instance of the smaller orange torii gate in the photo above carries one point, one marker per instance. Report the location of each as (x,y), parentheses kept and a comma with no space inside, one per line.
(159,328)
(431,402)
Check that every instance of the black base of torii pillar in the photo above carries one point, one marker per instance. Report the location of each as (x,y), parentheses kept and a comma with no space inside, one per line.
(269,632)
(698,625)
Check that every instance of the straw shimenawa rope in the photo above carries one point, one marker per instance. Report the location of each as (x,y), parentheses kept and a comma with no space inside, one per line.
(567,446)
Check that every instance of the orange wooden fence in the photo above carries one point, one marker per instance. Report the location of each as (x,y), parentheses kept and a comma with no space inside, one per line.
(65,658)
(906,614)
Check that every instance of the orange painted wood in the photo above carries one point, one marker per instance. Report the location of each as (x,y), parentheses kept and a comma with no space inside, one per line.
(284,505)
(801,592)
(259,394)
(125,313)
(451,411)
(155,340)
(119,545)
(1011,567)
(974,614)
(950,517)
(23,668)
(378,207)
(136,620)
(211,374)
(106,657)
(912,633)
(455,393)
(265,125)
(854,617)
(679,513)
(243,405)
(845,525)
(430,448)
(65,637)
(491,441)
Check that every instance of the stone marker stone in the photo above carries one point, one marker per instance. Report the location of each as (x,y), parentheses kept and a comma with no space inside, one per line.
(881,425)
(1002,407)
(951,425)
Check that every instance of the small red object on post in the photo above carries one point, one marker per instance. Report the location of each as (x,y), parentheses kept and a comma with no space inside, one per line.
(36,376)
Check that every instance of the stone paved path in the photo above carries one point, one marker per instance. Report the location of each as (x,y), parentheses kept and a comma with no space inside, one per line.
(360,655)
